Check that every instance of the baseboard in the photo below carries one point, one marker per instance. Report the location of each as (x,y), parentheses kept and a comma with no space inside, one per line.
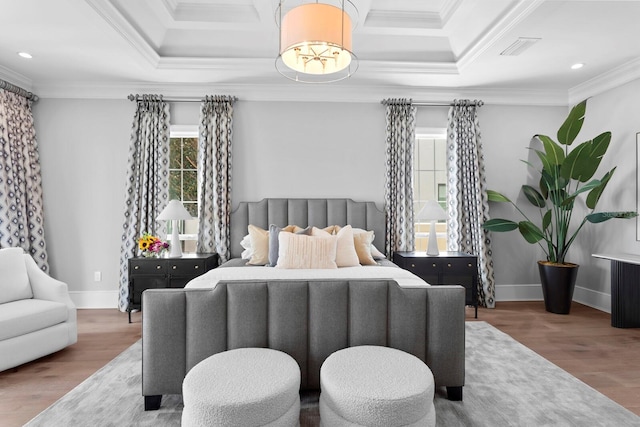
(94,299)
(533,292)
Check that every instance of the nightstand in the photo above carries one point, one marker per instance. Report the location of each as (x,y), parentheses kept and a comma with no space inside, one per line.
(448,268)
(152,273)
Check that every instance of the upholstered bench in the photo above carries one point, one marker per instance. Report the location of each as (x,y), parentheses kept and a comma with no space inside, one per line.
(243,387)
(376,386)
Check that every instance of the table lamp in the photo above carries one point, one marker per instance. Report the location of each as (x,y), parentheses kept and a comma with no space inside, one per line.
(174,211)
(432,211)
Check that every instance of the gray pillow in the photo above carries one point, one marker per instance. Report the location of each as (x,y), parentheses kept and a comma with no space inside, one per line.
(274,230)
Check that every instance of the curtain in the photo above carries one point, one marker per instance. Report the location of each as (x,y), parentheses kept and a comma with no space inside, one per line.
(147,184)
(21,201)
(468,206)
(214,175)
(398,194)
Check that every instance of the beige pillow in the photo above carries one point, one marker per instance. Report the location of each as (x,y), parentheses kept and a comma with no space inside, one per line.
(362,242)
(346,255)
(259,245)
(302,251)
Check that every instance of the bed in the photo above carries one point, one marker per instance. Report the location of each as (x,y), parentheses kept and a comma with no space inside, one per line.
(307,313)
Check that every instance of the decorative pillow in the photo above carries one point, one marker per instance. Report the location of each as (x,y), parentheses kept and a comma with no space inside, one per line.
(246,245)
(362,242)
(14,284)
(259,245)
(346,255)
(302,251)
(375,253)
(274,231)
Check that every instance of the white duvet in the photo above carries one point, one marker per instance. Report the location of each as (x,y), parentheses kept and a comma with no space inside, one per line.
(404,278)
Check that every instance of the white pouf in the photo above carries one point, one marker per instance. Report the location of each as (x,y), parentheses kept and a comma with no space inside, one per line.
(376,386)
(243,387)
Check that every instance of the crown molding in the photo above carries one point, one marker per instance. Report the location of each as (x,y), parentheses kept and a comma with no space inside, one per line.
(298,92)
(16,79)
(606,81)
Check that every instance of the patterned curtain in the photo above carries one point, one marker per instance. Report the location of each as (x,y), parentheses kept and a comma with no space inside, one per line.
(21,207)
(147,187)
(468,207)
(214,175)
(398,194)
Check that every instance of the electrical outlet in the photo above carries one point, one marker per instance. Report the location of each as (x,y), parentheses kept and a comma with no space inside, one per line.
(97,276)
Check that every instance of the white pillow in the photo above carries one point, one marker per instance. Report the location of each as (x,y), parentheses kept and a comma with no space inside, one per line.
(301,251)
(259,245)
(246,245)
(14,282)
(346,255)
(362,242)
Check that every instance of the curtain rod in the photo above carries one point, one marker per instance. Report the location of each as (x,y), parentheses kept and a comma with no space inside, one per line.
(137,97)
(16,89)
(474,103)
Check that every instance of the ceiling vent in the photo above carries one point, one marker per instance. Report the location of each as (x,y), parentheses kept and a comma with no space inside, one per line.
(519,46)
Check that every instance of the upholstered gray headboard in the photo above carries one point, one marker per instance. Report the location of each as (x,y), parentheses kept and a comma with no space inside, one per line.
(306,212)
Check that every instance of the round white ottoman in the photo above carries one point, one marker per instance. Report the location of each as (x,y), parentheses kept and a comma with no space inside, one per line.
(376,386)
(243,387)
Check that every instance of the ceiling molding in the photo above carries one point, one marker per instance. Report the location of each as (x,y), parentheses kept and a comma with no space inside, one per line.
(606,81)
(296,92)
(131,34)
(403,19)
(16,79)
(496,32)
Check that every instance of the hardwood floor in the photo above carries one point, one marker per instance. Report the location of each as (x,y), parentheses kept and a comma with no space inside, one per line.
(583,343)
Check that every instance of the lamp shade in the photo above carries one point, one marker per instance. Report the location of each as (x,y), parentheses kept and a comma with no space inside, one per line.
(174,210)
(431,211)
(316,43)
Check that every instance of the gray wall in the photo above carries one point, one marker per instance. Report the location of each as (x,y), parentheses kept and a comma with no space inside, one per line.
(280,150)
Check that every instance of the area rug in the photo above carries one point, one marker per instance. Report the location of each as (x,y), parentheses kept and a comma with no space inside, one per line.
(506,384)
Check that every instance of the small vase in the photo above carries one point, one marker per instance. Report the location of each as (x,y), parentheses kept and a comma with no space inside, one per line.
(148,254)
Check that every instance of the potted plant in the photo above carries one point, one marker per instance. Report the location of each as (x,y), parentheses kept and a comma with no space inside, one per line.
(565,176)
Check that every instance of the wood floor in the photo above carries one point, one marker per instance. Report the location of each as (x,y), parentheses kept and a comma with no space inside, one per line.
(583,343)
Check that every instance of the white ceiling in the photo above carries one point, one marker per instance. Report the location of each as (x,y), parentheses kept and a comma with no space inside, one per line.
(429,50)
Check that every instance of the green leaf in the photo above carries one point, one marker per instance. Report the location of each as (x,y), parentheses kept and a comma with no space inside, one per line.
(494,196)
(555,153)
(572,124)
(546,164)
(594,195)
(546,219)
(605,216)
(500,225)
(572,164)
(582,163)
(534,197)
(530,231)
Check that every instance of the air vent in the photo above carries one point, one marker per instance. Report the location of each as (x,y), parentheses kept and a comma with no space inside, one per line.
(519,46)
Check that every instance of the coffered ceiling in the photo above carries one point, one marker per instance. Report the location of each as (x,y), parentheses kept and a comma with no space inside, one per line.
(423,49)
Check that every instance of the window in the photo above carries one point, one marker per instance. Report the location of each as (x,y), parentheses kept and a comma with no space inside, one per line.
(430,182)
(183,181)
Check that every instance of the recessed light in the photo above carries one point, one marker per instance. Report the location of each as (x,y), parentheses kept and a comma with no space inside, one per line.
(577,66)
(26,55)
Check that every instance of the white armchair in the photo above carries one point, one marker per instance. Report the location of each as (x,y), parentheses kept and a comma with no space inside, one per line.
(37,317)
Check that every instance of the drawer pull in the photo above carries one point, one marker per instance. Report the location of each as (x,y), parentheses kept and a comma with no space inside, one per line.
(158,267)
(136,267)
(449,265)
(469,265)
(196,266)
(434,265)
(175,266)
(413,266)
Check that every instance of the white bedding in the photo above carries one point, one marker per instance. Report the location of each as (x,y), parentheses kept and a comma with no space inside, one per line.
(404,278)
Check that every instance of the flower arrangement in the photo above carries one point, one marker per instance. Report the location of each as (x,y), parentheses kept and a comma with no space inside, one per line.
(151,246)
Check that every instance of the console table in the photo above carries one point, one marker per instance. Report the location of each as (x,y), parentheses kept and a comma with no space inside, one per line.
(625,289)
(447,268)
(151,273)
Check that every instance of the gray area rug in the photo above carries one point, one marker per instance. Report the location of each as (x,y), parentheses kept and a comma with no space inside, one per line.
(507,384)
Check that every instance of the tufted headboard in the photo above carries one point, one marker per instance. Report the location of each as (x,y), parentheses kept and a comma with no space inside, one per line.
(306,212)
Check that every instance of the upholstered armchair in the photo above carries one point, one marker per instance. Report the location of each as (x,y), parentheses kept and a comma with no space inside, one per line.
(37,317)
